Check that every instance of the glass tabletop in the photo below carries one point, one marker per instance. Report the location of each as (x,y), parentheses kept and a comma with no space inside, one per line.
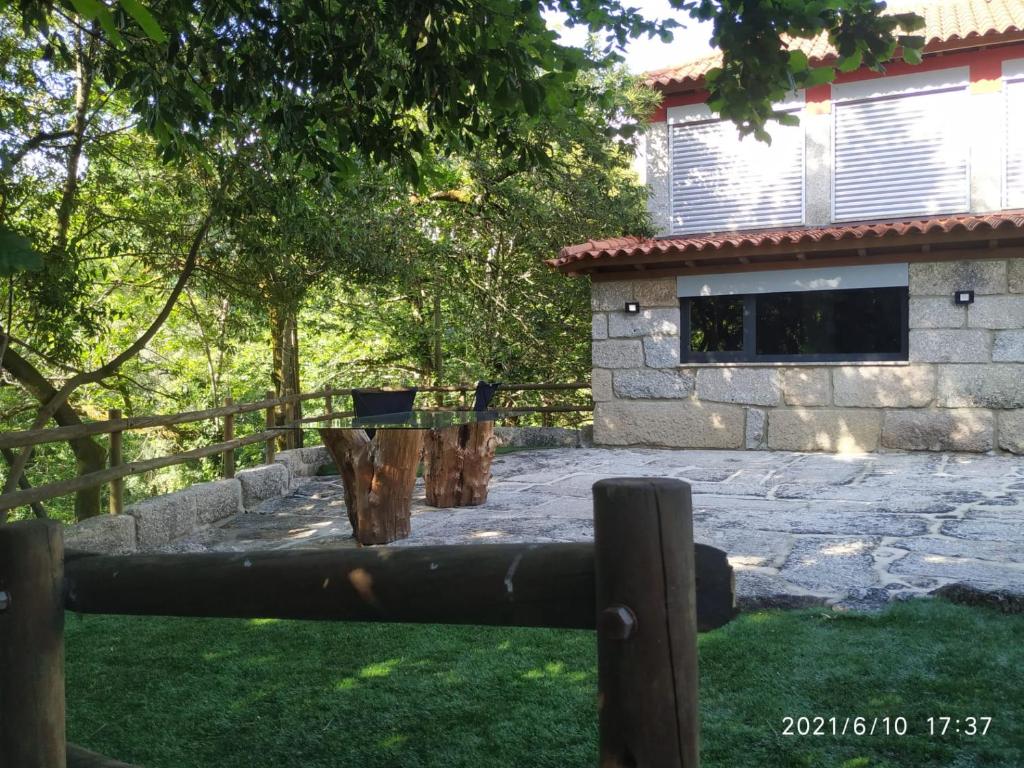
(416,420)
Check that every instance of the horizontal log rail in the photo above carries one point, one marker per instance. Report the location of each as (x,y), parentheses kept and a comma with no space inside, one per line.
(32,437)
(115,427)
(522,585)
(91,480)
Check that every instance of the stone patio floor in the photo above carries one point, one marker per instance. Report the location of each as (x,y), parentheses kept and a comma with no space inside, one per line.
(798,528)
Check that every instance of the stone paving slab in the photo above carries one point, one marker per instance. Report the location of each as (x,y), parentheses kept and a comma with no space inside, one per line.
(799,528)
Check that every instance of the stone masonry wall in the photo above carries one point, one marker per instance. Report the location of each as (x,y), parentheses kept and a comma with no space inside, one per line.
(961,390)
(155,523)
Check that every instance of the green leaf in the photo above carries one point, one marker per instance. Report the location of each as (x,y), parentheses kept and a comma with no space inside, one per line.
(820,76)
(17,254)
(912,55)
(144,19)
(852,62)
(106,19)
(798,61)
(909,21)
(87,9)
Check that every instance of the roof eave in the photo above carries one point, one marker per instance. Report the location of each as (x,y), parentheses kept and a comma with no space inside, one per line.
(1002,241)
(957,45)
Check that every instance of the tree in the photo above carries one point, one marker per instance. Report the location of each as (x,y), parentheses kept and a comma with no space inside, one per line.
(52,116)
(324,90)
(759,66)
(393,79)
(468,295)
(287,237)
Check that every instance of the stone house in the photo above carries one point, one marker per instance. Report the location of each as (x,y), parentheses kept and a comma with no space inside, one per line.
(856,286)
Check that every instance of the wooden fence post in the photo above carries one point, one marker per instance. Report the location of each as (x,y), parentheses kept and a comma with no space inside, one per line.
(32,644)
(328,406)
(228,457)
(116,459)
(295,436)
(646,624)
(269,451)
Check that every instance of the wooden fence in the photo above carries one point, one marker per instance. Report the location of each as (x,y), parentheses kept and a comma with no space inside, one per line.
(642,585)
(276,423)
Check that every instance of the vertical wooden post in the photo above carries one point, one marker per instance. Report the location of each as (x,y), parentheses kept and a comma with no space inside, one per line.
(228,457)
(116,459)
(328,406)
(545,418)
(32,644)
(290,413)
(270,449)
(646,623)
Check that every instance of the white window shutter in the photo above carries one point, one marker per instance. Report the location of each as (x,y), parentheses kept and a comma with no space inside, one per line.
(722,183)
(1014,187)
(901,156)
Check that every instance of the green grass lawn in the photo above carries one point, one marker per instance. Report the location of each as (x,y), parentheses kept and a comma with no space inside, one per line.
(176,693)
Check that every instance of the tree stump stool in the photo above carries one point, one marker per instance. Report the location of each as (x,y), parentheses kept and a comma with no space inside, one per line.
(457,464)
(378,475)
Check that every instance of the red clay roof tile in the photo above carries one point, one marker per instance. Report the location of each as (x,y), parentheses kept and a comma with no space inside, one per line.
(946,21)
(603,251)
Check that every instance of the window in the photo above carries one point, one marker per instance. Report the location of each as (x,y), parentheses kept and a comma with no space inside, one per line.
(720,182)
(901,153)
(1014,170)
(857,324)
(815,314)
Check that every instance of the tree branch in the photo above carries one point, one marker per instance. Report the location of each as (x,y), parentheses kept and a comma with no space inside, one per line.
(37,508)
(33,143)
(111,367)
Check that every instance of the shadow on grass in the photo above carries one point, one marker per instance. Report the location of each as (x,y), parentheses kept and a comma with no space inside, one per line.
(176,693)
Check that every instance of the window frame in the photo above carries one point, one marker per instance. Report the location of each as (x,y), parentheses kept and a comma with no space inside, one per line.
(900,212)
(691,115)
(749,352)
(1012,74)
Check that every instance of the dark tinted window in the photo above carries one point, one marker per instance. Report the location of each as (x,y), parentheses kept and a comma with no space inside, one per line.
(716,323)
(861,324)
(839,322)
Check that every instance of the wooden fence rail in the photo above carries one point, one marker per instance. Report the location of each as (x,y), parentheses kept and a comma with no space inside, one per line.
(32,437)
(642,585)
(116,426)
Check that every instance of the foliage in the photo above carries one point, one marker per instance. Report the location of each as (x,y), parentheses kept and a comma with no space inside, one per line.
(472,297)
(389,80)
(177,693)
(759,64)
(197,190)
(392,80)
(17,254)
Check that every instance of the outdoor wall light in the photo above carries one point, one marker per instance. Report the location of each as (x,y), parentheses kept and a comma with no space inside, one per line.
(963,297)
(632,307)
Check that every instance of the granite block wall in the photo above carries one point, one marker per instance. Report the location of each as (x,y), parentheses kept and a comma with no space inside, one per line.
(961,390)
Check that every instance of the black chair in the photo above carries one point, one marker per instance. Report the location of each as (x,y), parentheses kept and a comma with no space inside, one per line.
(484,394)
(378,402)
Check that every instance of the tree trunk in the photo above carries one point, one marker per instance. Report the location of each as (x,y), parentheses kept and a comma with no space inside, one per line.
(378,476)
(284,331)
(438,328)
(84,74)
(90,456)
(37,506)
(457,464)
(295,385)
